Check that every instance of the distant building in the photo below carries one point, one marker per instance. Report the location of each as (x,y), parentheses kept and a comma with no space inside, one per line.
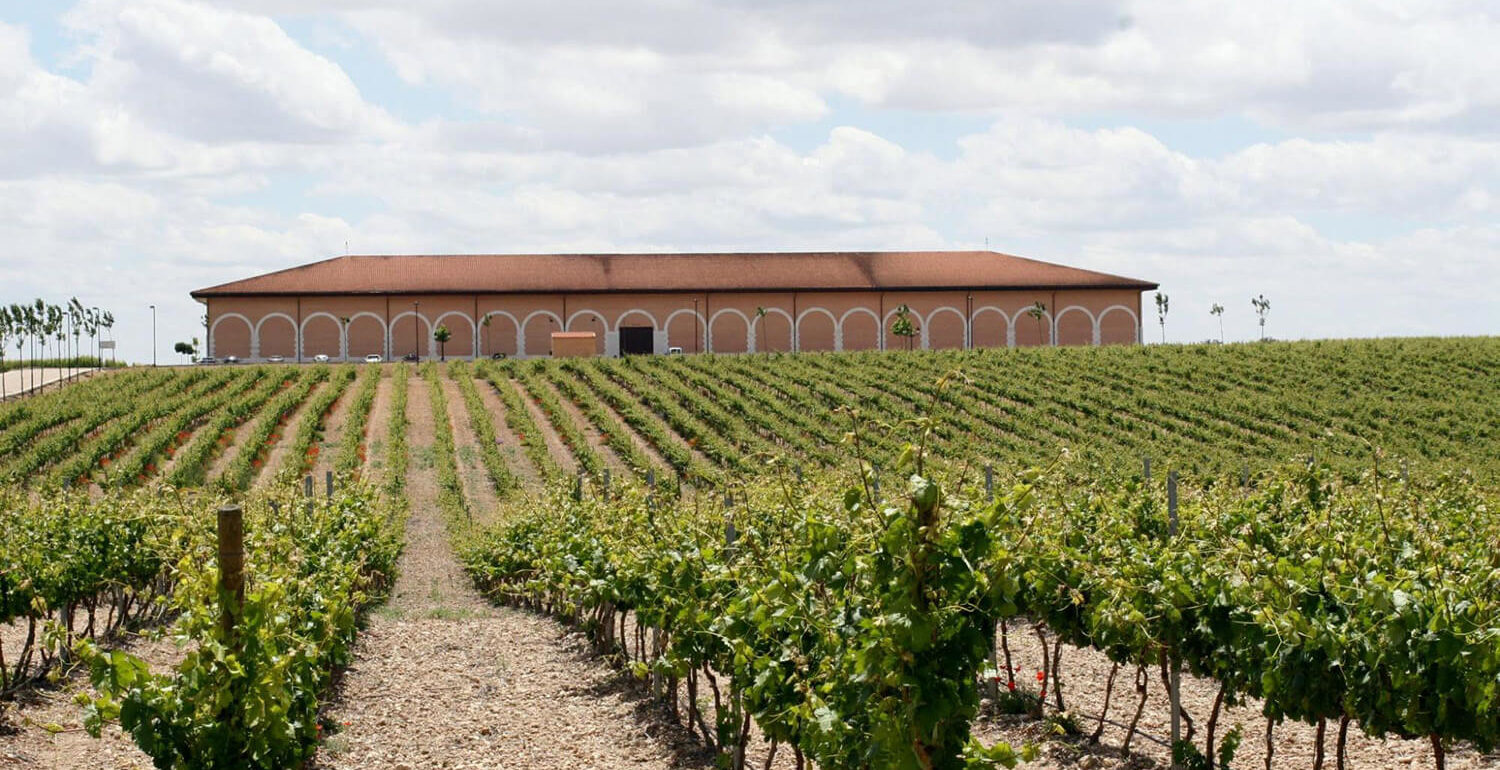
(646,303)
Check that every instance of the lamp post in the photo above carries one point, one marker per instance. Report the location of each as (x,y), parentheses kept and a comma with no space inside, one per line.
(696,348)
(153,335)
(416,337)
(969,322)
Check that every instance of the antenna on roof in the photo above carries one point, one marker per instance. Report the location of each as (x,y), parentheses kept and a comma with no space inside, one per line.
(986,243)
(346,246)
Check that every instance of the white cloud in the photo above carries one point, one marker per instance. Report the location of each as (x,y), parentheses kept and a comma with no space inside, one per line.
(191,144)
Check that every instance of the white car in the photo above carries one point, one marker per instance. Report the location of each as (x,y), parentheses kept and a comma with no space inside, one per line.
(373,358)
(275,359)
(321,358)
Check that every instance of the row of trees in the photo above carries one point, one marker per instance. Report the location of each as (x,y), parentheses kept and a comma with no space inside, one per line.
(31,327)
(1260,303)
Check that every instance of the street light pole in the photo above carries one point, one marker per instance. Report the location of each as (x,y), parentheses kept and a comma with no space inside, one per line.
(153,335)
(416,336)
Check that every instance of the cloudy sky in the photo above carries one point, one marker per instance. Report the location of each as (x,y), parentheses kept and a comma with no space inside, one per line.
(1341,158)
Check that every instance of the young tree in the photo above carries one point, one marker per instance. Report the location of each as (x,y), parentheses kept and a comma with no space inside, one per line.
(188,349)
(1161,314)
(484,338)
(1036,311)
(19,326)
(903,326)
(1262,309)
(75,324)
(1218,310)
(442,335)
(5,332)
(760,314)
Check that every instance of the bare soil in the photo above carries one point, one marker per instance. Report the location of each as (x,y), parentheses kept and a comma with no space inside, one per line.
(479,489)
(1085,675)
(510,444)
(378,426)
(590,431)
(281,438)
(333,431)
(442,678)
(43,727)
(555,445)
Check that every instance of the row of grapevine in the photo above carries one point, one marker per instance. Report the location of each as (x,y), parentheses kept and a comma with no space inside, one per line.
(247,693)
(1368,602)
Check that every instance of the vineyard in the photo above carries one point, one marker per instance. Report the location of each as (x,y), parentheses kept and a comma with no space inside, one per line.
(914,560)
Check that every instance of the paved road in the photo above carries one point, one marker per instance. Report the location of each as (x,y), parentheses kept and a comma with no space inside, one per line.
(18,380)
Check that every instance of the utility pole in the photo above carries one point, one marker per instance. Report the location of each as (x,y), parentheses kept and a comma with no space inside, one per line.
(416,336)
(153,335)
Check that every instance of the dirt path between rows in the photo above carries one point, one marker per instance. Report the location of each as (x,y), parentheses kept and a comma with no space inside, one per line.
(510,444)
(1085,676)
(479,489)
(555,445)
(43,727)
(378,427)
(591,432)
(281,438)
(442,678)
(332,442)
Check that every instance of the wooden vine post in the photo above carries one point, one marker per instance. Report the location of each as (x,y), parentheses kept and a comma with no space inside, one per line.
(328,477)
(1175,683)
(231,567)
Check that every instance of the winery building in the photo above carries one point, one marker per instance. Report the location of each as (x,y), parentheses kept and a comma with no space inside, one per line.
(512,304)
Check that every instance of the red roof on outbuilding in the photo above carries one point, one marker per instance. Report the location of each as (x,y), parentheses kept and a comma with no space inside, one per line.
(601,273)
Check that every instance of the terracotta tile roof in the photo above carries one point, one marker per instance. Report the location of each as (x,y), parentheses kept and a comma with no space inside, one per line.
(585,273)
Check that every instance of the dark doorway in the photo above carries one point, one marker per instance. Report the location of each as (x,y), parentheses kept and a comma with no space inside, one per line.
(637,340)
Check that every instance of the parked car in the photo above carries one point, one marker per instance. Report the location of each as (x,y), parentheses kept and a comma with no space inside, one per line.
(275,359)
(231,359)
(674,351)
(321,358)
(497,356)
(411,357)
(207,361)
(373,358)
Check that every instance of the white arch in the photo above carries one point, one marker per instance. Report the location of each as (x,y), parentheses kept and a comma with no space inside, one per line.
(593,313)
(485,317)
(213,332)
(1099,322)
(390,343)
(666,326)
(604,322)
(927,324)
(296,334)
(620,321)
(851,311)
(886,324)
(753,342)
(343,342)
(521,330)
(384,332)
(797,328)
(473,328)
(1010,337)
(749,331)
(1093,322)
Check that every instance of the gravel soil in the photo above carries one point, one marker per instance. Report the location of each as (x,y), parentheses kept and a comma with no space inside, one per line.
(555,445)
(510,445)
(43,728)
(442,678)
(1085,675)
